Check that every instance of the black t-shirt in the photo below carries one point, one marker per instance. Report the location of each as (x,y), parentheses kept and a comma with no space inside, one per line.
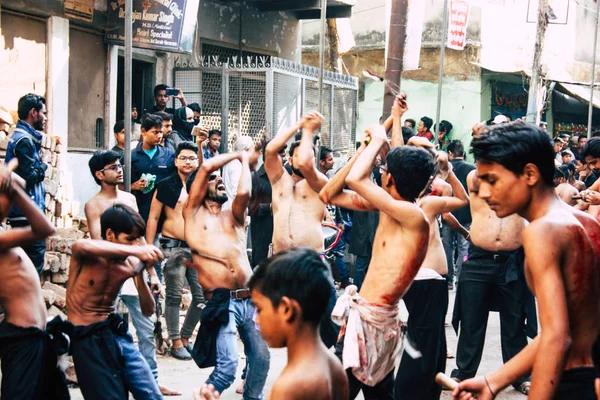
(461,170)
(168,190)
(168,110)
(119,151)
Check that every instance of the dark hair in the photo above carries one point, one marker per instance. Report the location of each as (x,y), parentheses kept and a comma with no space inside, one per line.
(411,121)
(119,126)
(445,126)
(190,180)
(559,173)
(565,153)
(150,121)
(581,137)
(428,122)
(293,147)
(122,219)
(565,171)
(557,140)
(214,132)
(411,167)
(572,166)
(299,274)
(164,115)
(100,159)
(28,102)
(186,146)
(514,145)
(324,152)
(457,148)
(591,148)
(195,107)
(159,88)
(407,133)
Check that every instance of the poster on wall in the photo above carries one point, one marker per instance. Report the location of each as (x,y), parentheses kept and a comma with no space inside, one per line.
(80,9)
(167,25)
(457,28)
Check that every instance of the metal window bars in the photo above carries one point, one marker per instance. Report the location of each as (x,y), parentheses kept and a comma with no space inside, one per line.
(263,95)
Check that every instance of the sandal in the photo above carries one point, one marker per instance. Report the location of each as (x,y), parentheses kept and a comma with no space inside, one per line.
(524,388)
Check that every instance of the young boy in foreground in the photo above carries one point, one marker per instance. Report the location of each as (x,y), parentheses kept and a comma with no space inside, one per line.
(107,362)
(515,164)
(291,292)
(27,343)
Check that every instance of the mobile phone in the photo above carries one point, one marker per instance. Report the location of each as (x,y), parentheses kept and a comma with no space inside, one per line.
(172,92)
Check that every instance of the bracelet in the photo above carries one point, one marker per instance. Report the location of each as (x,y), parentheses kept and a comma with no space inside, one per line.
(488,386)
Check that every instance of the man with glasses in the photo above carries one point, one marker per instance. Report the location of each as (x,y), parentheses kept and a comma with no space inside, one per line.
(107,171)
(169,198)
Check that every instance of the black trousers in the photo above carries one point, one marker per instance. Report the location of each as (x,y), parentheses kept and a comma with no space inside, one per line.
(481,293)
(384,390)
(577,383)
(427,302)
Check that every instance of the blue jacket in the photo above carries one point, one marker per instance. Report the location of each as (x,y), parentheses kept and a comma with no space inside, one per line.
(25,144)
(162,165)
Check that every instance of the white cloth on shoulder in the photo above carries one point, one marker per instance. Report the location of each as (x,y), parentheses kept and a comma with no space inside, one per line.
(373,335)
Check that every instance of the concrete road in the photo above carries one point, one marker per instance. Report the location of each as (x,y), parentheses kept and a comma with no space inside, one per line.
(185,375)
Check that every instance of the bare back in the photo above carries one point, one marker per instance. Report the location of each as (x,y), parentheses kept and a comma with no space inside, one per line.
(297,215)
(565,192)
(580,269)
(487,230)
(93,287)
(173,226)
(398,253)
(20,291)
(218,243)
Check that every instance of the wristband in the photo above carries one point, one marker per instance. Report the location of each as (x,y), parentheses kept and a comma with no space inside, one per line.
(488,386)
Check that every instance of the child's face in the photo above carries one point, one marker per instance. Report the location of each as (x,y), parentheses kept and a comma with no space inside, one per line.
(133,239)
(270,320)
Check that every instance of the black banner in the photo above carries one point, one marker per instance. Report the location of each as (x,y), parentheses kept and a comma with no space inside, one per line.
(157,24)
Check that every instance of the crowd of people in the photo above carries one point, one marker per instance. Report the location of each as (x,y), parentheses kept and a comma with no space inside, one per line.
(519,226)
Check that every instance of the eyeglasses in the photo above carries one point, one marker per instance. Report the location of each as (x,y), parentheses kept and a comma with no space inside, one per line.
(115,167)
(190,158)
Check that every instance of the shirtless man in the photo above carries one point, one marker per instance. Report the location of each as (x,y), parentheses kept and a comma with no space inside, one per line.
(107,362)
(217,238)
(297,209)
(565,276)
(392,267)
(27,354)
(107,171)
(427,298)
(493,275)
(291,292)
(169,198)
(563,189)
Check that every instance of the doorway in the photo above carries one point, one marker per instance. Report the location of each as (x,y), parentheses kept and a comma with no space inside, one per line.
(142,86)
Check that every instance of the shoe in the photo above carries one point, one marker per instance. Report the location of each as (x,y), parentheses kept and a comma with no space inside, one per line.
(181,354)
(189,348)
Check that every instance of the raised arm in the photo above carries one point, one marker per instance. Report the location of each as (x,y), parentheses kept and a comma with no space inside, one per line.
(398,109)
(156,209)
(333,192)
(39,226)
(273,164)
(102,248)
(404,212)
(455,225)
(306,155)
(200,185)
(239,206)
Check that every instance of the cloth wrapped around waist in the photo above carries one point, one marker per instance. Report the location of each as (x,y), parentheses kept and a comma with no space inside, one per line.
(372,336)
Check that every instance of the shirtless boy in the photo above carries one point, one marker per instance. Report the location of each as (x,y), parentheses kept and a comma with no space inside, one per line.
(392,267)
(291,291)
(515,165)
(107,362)
(217,239)
(107,171)
(297,209)
(29,369)
(168,200)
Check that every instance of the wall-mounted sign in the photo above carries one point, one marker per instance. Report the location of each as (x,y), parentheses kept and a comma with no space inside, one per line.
(80,9)
(166,25)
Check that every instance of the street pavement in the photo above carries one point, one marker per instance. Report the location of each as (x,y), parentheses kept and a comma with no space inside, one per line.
(185,375)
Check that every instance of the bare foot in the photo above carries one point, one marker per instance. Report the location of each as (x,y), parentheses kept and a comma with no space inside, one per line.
(240,389)
(168,392)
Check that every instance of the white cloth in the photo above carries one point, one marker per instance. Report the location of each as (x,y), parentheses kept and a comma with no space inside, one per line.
(426,274)
(232,172)
(373,336)
(129,288)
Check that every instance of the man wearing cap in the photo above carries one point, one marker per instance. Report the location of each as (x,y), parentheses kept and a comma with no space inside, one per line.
(499,119)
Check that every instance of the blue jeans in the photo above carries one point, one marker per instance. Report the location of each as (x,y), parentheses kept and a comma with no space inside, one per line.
(241,318)
(360,270)
(340,263)
(144,329)
(452,240)
(136,374)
